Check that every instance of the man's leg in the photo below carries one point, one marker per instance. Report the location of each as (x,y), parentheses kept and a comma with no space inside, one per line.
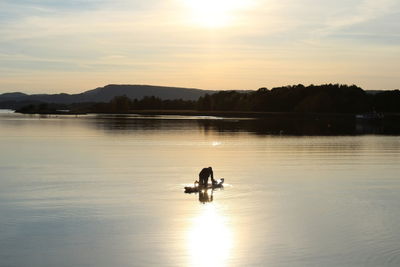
(205,181)
(201,178)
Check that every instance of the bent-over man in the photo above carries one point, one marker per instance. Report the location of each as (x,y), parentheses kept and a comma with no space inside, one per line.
(204,174)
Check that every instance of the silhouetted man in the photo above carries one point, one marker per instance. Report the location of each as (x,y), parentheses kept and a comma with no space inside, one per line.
(204,174)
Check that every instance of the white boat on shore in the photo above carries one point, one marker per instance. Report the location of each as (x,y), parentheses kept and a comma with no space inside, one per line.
(370,116)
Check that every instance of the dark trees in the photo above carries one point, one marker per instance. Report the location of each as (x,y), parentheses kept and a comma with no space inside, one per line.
(327,98)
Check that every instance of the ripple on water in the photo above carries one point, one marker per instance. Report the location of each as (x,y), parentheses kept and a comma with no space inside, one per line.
(389,257)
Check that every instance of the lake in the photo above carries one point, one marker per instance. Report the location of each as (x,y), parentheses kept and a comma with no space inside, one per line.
(107,190)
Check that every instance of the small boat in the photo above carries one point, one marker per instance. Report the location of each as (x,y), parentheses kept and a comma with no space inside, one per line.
(371,116)
(197,187)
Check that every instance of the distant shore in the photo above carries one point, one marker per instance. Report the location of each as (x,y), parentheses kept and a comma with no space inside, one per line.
(238,114)
(52,113)
(297,101)
(228,114)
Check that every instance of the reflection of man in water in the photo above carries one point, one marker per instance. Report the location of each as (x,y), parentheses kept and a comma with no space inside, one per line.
(204,174)
(206,195)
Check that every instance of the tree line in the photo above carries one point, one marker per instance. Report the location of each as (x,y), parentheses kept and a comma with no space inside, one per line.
(327,98)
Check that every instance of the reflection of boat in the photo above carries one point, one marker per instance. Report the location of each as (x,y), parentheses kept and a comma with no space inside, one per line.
(371,116)
(197,187)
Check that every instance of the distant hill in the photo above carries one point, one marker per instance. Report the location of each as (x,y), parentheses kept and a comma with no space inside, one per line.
(325,98)
(103,94)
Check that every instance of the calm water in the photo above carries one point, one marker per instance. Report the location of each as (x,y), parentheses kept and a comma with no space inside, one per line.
(108,191)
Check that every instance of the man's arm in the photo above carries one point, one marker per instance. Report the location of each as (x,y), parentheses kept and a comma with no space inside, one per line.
(212,176)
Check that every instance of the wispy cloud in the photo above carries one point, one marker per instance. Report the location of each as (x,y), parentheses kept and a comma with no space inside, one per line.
(270,42)
(363,12)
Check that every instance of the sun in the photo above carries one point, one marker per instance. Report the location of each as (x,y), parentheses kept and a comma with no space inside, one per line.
(214,13)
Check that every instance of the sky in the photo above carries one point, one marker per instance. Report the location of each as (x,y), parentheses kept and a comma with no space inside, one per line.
(52,46)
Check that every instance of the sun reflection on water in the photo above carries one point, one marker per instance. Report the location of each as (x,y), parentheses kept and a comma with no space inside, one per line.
(209,240)
(216,143)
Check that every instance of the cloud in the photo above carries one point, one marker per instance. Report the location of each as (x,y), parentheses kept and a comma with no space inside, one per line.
(362,13)
(153,41)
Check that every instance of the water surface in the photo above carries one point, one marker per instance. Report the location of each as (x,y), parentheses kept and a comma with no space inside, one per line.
(108,191)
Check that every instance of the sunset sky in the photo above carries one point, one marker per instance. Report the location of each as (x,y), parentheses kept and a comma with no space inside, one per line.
(52,46)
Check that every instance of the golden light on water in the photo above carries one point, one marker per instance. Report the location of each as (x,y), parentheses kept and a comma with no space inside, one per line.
(209,240)
(214,13)
(216,143)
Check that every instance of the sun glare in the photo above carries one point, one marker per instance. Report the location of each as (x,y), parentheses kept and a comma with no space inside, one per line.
(209,240)
(214,13)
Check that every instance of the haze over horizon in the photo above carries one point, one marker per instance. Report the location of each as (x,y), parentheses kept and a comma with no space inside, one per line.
(53,46)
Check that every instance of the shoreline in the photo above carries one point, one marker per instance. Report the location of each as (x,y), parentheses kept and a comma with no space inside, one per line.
(237,114)
(224,114)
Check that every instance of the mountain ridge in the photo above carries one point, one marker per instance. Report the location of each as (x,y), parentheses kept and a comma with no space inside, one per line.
(104,94)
